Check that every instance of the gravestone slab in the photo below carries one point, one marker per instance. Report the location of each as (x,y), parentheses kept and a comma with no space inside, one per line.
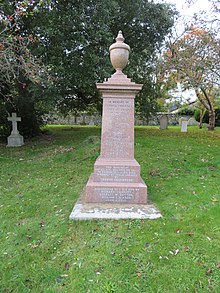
(181,119)
(15,139)
(184,126)
(192,122)
(163,122)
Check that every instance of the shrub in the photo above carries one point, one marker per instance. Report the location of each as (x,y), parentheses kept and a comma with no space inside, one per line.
(5,127)
(217,117)
(206,116)
(187,111)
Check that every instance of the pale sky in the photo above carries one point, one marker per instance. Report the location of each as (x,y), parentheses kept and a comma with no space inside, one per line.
(187,10)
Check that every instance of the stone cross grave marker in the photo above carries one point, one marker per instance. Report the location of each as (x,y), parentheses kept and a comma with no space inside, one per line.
(14,119)
(15,139)
(163,122)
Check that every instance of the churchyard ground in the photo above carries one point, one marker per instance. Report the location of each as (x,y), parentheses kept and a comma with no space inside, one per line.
(41,250)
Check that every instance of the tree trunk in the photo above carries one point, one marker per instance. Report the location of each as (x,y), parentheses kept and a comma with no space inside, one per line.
(211,119)
(202,113)
(200,121)
(207,103)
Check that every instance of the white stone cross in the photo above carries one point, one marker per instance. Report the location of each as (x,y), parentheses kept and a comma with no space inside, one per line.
(14,119)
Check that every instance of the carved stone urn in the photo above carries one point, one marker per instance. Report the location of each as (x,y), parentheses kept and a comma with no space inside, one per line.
(119,53)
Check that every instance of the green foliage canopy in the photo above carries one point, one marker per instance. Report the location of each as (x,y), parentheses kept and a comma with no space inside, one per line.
(73,37)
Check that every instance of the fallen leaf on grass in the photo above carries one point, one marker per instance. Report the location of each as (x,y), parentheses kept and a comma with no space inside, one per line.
(42,224)
(214,199)
(59,279)
(63,150)
(174,252)
(218,266)
(212,168)
(34,246)
(190,233)
(210,281)
(155,172)
(139,274)
(67,266)
(22,222)
(64,276)
(186,248)
(209,271)
(184,207)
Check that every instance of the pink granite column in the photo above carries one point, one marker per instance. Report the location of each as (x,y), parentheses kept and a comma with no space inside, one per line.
(116,178)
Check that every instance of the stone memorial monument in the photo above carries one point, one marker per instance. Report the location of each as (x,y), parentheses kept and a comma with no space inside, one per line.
(163,122)
(116,177)
(15,139)
(116,182)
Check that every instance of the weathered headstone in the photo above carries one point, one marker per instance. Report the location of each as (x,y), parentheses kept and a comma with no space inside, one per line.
(163,122)
(115,188)
(180,121)
(184,126)
(192,122)
(15,139)
(91,122)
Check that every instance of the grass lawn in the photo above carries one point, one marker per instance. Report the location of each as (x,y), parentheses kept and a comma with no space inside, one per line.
(42,251)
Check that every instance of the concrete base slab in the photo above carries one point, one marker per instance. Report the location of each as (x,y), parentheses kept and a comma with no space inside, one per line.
(88,211)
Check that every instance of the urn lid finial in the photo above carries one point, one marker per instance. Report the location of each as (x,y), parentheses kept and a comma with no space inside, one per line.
(120,37)
(119,53)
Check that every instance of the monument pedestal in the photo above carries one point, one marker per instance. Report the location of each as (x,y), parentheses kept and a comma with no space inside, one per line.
(116,182)
(116,178)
